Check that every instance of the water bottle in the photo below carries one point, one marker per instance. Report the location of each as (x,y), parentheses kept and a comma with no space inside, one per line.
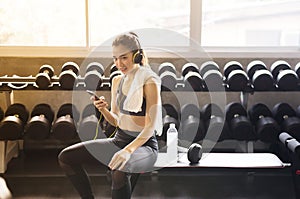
(172,142)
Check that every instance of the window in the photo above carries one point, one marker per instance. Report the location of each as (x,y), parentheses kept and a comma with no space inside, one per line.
(251,23)
(42,23)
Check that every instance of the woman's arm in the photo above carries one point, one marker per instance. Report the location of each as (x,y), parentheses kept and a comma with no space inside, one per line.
(112,115)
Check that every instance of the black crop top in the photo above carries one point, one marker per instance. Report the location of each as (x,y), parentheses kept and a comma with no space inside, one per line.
(120,101)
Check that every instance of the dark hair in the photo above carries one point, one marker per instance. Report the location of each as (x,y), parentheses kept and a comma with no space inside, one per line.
(131,41)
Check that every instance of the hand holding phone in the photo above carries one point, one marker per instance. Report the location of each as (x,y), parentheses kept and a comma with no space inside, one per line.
(92,93)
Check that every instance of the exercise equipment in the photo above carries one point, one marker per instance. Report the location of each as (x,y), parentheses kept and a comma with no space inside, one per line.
(214,121)
(43,78)
(286,117)
(191,77)
(240,126)
(167,74)
(12,126)
(1,114)
(113,75)
(170,115)
(64,127)
(166,66)
(290,142)
(68,75)
(91,126)
(39,126)
(261,78)
(191,126)
(286,79)
(297,69)
(93,77)
(211,76)
(194,153)
(266,128)
(235,76)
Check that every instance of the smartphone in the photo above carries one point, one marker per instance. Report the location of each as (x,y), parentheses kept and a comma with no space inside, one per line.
(92,93)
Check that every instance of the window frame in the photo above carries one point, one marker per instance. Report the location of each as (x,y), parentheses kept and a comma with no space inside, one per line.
(195,35)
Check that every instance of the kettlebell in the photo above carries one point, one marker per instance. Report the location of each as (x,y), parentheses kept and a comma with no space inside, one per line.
(194,153)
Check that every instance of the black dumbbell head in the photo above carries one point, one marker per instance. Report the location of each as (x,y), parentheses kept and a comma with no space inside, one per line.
(213,80)
(281,111)
(263,80)
(297,69)
(68,109)
(287,80)
(189,109)
(278,66)
(231,66)
(169,109)
(70,66)
(64,128)
(257,111)
(211,110)
(208,66)
(43,109)
(194,153)
(1,114)
(18,110)
(237,80)
(168,81)
(189,67)
(95,66)
(254,66)
(89,110)
(193,81)
(234,109)
(241,129)
(113,75)
(267,130)
(166,66)
(43,78)
(292,126)
(89,129)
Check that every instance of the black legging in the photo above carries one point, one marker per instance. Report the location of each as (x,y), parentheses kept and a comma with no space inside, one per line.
(73,157)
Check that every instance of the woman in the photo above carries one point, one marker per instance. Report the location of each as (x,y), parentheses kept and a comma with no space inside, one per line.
(135,111)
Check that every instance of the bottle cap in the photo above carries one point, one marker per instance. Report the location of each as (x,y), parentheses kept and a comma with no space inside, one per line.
(172,125)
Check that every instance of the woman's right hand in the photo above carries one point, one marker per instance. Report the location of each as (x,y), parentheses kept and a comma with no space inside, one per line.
(100,104)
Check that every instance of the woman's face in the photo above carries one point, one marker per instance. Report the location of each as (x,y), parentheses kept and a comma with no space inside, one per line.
(123,58)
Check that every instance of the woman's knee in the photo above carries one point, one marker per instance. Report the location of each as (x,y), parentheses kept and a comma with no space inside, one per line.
(119,179)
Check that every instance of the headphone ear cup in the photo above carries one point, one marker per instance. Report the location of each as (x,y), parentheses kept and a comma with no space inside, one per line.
(137,57)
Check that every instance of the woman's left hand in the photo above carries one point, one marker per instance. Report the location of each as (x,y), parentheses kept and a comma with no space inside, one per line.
(119,159)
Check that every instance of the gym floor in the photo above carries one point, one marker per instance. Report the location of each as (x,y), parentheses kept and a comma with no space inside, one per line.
(37,175)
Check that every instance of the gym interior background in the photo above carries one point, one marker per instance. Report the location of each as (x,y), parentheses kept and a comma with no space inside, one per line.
(263,34)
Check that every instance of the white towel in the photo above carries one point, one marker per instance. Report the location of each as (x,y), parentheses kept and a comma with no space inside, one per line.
(134,99)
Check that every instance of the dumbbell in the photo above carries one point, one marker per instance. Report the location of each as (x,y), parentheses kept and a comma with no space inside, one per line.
(266,127)
(191,77)
(93,76)
(90,127)
(113,75)
(260,77)
(290,142)
(1,114)
(43,78)
(297,69)
(167,74)
(68,75)
(39,126)
(12,126)
(211,76)
(214,122)
(64,127)
(287,118)
(286,79)
(170,115)
(191,126)
(194,153)
(240,126)
(113,68)
(235,76)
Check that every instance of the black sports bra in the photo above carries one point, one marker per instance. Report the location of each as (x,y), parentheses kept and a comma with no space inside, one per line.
(121,98)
